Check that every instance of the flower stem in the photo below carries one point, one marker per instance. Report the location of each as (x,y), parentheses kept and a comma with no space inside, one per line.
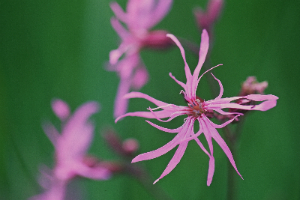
(233,139)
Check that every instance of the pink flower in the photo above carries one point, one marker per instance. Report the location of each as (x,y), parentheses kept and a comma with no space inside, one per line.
(70,150)
(140,17)
(196,110)
(251,86)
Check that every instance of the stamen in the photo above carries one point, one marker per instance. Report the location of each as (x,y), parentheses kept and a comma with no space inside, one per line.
(196,108)
(168,105)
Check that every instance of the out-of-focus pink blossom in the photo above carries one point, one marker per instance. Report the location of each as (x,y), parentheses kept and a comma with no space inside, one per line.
(139,18)
(196,110)
(71,146)
(251,86)
(205,19)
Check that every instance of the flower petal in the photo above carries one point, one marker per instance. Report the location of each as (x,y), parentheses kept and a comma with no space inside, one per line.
(174,161)
(97,173)
(269,102)
(224,124)
(121,31)
(221,87)
(161,9)
(140,78)
(202,55)
(177,130)
(207,71)
(121,104)
(171,116)
(214,133)
(167,147)
(186,67)
(78,132)
(177,81)
(222,112)
(207,134)
(201,146)
(118,11)
(149,115)
(145,96)
(51,133)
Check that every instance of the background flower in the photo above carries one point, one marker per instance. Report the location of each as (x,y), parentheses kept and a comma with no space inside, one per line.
(71,145)
(139,18)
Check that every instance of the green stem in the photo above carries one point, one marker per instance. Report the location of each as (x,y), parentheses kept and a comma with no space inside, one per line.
(233,139)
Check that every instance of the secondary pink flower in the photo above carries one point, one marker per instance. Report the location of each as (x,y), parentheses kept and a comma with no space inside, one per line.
(70,149)
(140,17)
(251,86)
(196,110)
(72,144)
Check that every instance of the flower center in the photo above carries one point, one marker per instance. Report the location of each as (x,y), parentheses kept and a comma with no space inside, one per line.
(196,108)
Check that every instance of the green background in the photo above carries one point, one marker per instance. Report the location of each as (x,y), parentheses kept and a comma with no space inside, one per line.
(58,49)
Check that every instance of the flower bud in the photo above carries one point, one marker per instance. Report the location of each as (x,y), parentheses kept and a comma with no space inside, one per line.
(251,86)
(61,109)
(130,145)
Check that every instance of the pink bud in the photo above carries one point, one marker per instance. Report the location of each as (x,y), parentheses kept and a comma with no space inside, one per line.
(61,109)
(130,145)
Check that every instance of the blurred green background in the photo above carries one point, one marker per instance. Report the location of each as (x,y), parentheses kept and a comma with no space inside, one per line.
(58,49)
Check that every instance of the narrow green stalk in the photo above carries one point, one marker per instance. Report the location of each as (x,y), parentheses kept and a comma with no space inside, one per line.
(233,139)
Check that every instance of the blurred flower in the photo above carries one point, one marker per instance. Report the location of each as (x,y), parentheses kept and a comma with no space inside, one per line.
(206,19)
(251,86)
(70,150)
(140,17)
(197,109)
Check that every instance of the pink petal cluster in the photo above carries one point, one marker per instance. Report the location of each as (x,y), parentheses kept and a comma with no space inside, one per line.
(196,110)
(139,18)
(70,150)
(251,86)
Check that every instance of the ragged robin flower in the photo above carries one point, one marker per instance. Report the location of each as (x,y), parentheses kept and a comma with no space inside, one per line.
(195,110)
(139,18)
(71,146)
